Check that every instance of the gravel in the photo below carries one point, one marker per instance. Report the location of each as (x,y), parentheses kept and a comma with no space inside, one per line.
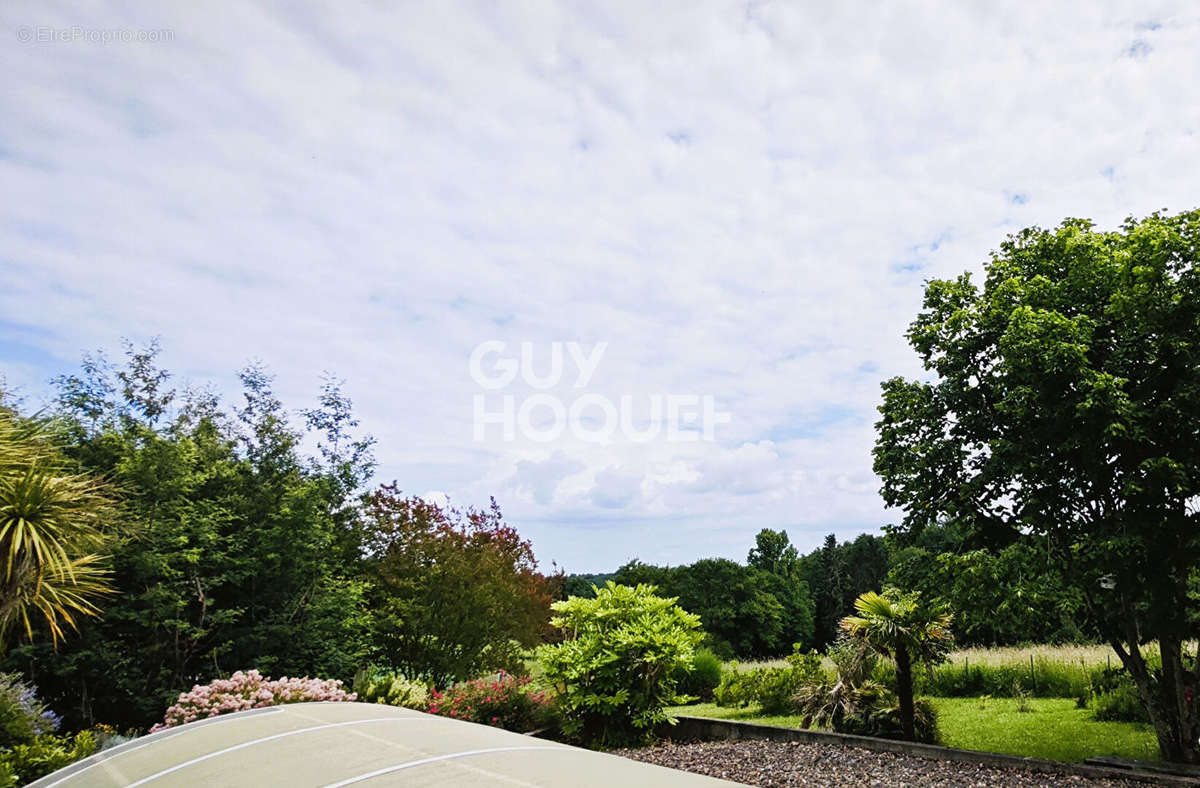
(767,763)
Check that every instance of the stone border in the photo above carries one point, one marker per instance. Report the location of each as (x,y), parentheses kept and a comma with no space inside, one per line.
(711,729)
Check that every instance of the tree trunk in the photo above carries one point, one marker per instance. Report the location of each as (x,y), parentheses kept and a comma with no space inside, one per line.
(904,689)
(1169,698)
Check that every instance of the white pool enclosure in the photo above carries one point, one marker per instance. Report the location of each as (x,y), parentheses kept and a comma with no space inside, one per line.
(329,745)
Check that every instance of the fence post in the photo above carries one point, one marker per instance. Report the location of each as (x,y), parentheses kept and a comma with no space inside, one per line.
(1032,676)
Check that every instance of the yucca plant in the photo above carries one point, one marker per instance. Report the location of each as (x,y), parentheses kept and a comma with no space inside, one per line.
(52,524)
(901,628)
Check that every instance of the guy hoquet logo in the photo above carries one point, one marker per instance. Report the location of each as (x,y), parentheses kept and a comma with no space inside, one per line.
(544,417)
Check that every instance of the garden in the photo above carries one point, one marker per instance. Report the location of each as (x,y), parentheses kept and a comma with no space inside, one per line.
(166,557)
(1065,703)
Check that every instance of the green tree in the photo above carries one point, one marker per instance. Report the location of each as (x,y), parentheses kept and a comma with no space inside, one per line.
(867,560)
(583,584)
(902,629)
(241,555)
(735,605)
(454,593)
(828,577)
(773,552)
(1063,400)
(623,655)
(746,611)
(1001,597)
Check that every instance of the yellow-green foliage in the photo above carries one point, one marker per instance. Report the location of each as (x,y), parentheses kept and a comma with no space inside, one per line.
(623,655)
(392,689)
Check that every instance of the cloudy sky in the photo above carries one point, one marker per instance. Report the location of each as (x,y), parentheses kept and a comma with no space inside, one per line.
(742,200)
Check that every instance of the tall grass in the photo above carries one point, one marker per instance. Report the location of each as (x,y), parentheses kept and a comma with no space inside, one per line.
(1042,677)
(1044,671)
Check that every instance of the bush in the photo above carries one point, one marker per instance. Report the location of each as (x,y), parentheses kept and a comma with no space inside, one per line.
(22,716)
(1120,704)
(507,702)
(735,689)
(704,677)
(248,690)
(875,711)
(390,688)
(29,749)
(856,701)
(24,763)
(619,667)
(773,688)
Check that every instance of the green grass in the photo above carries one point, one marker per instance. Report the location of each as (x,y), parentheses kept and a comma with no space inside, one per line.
(749,714)
(1054,729)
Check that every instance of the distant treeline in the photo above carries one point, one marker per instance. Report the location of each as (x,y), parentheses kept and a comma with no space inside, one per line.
(778,598)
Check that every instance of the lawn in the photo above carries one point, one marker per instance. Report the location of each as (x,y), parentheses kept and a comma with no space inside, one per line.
(1054,728)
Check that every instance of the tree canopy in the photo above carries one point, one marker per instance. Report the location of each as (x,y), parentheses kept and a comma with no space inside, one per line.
(1063,401)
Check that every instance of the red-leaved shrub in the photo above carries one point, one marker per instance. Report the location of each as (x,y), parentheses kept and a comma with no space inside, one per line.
(505,703)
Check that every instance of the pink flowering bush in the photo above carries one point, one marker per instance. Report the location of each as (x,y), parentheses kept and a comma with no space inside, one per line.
(505,703)
(249,690)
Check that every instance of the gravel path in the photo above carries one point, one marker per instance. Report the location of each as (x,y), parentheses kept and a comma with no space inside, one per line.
(765,763)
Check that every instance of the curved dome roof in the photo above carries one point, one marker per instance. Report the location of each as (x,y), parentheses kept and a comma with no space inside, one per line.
(330,745)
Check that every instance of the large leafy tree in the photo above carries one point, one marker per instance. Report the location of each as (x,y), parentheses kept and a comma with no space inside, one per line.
(455,592)
(1063,400)
(773,552)
(901,628)
(1004,597)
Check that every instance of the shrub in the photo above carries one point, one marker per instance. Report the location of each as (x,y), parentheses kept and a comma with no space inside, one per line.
(248,690)
(1120,704)
(735,688)
(391,688)
(24,763)
(875,711)
(856,702)
(22,716)
(704,677)
(773,688)
(620,664)
(869,709)
(508,702)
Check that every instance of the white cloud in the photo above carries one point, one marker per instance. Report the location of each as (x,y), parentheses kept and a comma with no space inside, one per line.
(742,200)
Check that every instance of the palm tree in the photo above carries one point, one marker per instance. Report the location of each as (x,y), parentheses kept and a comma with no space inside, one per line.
(52,522)
(900,628)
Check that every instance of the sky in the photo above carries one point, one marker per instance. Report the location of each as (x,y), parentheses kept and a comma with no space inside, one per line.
(731,203)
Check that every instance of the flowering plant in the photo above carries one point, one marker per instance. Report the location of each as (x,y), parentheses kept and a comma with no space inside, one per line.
(505,703)
(249,690)
(23,717)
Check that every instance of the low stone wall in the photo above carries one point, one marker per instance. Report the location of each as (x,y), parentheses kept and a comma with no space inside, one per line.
(707,729)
